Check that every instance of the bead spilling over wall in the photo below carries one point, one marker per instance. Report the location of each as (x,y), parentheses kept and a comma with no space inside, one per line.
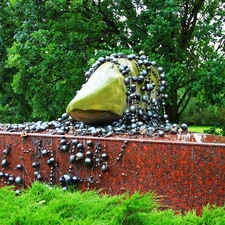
(144,116)
(71,161)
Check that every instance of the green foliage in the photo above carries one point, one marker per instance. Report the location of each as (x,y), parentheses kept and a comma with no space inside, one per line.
(185,45)
(134,209)
(220,130)
(47,45)
(197,113)
(213,215)
(41,204)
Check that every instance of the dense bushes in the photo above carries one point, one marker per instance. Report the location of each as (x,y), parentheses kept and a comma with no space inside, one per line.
(41,204)
(202,115)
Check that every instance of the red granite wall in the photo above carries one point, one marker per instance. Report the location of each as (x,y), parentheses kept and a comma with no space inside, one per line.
(189,173)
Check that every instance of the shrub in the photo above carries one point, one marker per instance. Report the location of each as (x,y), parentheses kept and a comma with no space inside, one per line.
(41,204)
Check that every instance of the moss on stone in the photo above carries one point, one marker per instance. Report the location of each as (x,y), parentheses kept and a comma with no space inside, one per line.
(103,97)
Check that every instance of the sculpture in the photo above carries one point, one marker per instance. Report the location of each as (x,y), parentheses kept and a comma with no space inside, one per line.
(122,87)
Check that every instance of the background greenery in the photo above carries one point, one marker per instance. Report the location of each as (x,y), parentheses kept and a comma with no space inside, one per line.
(41,204)
(47,45)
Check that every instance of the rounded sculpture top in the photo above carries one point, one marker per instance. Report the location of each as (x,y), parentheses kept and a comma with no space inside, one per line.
(126,87)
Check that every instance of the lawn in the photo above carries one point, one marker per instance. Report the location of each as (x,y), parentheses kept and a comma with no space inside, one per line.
(199,129)
(203,129)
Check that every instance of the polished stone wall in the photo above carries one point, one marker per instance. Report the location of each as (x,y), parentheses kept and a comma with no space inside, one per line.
(187,171)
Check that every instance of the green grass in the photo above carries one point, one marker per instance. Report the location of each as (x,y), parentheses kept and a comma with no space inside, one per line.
(206,129)
(199,129)
(41,204)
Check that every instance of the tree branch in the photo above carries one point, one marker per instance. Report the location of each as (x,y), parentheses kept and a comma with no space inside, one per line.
(189,22)
(182,100)
(186,83)
(106,19)
(183,97)
(184,106)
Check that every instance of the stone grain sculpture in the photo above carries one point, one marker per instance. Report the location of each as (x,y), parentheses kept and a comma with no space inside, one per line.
(121,87)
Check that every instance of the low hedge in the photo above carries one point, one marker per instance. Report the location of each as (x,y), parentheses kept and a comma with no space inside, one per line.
(41,204)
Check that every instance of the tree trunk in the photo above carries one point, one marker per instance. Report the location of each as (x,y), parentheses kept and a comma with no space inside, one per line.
(171,108)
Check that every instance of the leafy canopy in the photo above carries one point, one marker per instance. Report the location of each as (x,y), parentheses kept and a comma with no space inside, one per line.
(46,46)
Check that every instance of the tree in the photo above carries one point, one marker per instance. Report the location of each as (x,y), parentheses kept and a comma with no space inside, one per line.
(52,43)
(7,31)
(183,34)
